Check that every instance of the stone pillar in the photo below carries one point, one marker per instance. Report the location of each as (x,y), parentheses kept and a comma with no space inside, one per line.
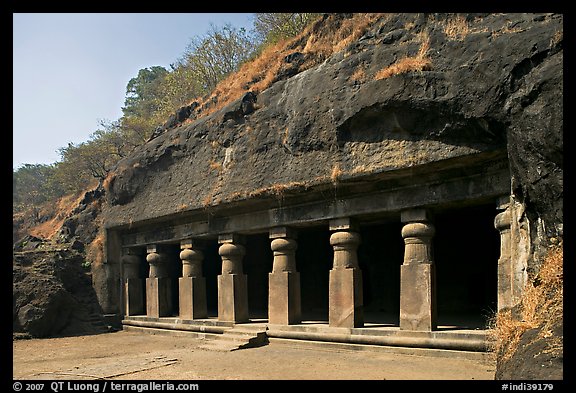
(192,285)
(345,307)
(133,284)
(158,284)
(502,223)
(417,274)
(284,305)
(232,283)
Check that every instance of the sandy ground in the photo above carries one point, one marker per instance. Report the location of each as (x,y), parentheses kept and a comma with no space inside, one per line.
(126,355)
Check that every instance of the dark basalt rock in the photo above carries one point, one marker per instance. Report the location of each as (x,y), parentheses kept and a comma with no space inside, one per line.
(52,295)
(498,86)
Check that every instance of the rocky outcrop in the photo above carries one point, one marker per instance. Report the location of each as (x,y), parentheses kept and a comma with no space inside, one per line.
(53,294)
(491,82)
(52,287)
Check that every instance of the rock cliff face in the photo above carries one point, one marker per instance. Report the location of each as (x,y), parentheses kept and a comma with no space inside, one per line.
(413,89)
(52,295)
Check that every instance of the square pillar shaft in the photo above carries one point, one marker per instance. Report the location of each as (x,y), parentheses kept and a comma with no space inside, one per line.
(158,297)
(345,298)
(284,304)
(417,274)
(417,297)
(233,298)
(192,297)
(134,296)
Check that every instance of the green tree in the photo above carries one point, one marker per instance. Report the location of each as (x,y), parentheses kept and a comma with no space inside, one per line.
(34,184)
(273,27)
(221,51)
(179,87)
(144,107)
(95,158)
(143,93)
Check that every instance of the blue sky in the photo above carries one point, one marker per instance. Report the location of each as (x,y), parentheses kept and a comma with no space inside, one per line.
(71,70)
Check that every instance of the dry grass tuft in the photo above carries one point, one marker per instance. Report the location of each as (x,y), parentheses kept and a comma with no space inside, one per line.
(359,75)
(420,62)
(95,250)
(457,28)
(216,166)
(541,307)
(407,64)
(336,174)
(556,38)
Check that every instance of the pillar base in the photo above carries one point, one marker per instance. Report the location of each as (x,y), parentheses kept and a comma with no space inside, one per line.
(417,297)
(284,305)
(158,297)
(233,298)
(192,297)
(134,296)
(345,299)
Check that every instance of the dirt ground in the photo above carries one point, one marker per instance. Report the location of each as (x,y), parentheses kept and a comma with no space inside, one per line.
(126,355)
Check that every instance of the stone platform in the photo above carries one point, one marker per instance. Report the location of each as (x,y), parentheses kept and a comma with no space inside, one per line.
(445,341)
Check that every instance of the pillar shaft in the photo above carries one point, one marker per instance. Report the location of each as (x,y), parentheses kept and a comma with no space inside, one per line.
(232,283)
(505,297)
(345,308)
(417,274)
(158,284)
(191,286)
(133,285)
(284,302)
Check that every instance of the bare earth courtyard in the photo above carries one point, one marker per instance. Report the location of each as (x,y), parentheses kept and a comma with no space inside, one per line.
(127,355)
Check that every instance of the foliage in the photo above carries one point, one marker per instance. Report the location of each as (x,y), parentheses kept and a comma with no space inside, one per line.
(214,56)
(143,93)
(271,28)
(34,184)
(151,97)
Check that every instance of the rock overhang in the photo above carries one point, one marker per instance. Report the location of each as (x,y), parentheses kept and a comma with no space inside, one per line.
(322,127)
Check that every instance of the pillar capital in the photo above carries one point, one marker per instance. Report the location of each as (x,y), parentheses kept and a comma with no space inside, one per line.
(232,255)
(231,238)
(284,250)
(282,232)
(132,251)
(503,220)
(343,224)
(418,230)
(415,215)
(131,259)
(503,202)
(191,262)
(157,260)
(345,245)
(191,243)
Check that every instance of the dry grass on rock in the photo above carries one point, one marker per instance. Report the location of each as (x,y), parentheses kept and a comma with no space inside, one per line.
(541,308)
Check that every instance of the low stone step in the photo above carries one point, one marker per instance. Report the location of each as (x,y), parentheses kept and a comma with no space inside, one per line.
(238,338)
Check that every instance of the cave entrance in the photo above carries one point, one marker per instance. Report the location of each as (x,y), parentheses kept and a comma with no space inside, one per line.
(211,268)
(314,258)
(174,262)
(466,248)
(257,264)
(380,255)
